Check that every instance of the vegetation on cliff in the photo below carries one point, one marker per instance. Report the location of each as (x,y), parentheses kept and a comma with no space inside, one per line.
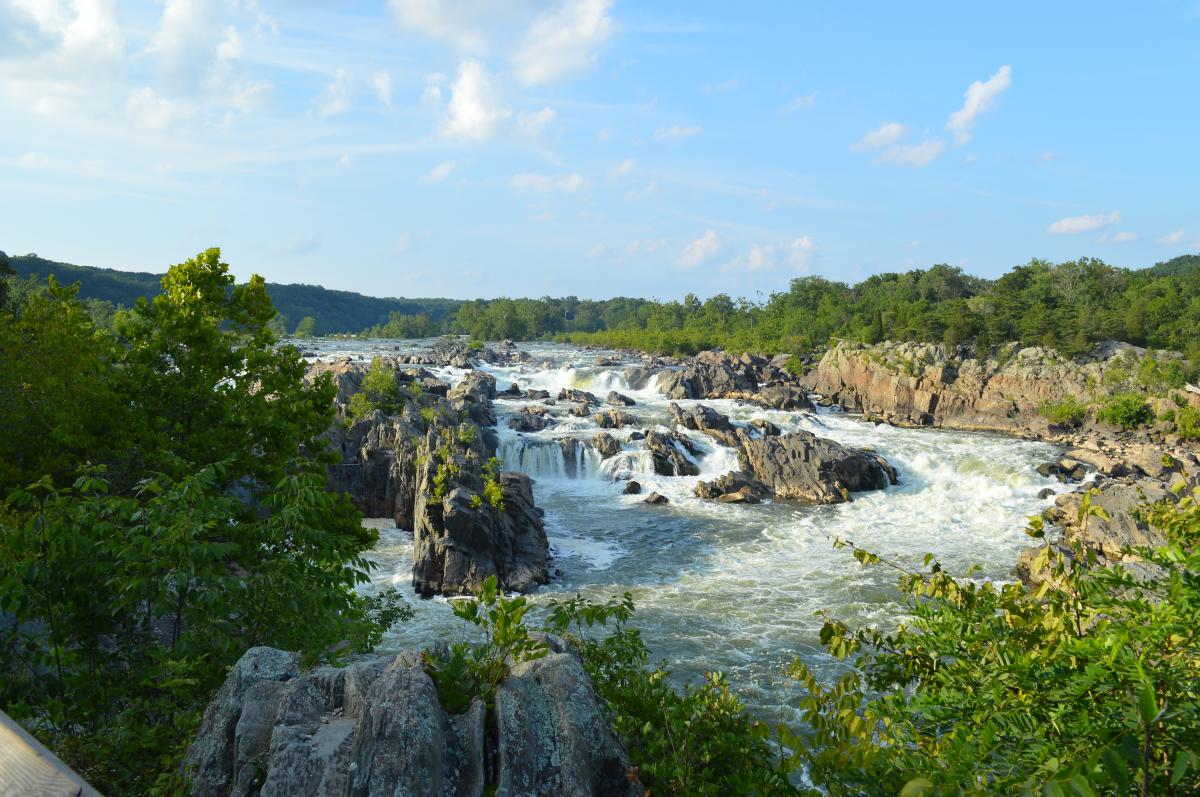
(165,510)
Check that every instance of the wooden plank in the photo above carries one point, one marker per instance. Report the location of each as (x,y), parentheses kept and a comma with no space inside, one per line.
(27,769)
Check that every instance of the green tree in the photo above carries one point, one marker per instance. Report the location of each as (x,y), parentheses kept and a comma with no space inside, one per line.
(306,328)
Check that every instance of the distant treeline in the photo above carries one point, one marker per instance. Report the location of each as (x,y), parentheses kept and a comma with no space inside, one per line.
(1067,306)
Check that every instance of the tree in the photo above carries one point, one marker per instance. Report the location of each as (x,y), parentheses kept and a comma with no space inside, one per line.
(6,271)
(306,328)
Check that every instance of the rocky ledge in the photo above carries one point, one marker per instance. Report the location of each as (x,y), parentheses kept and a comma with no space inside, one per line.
(427,464)
(376,728)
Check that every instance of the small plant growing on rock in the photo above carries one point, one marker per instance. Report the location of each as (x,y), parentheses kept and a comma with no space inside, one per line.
(469,671)
(1187,423)
(1126,410)
(492,490)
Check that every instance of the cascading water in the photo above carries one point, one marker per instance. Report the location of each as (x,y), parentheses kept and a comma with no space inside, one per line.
(735,587)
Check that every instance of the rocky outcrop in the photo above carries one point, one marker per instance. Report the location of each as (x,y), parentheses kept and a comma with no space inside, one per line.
(606,445)
(616,399)
(612,419)
(705,419)
(802,467)
(378,465)
(376,727)
(710,375)
(460,535)
(578,396)
(530,419)
(672,454)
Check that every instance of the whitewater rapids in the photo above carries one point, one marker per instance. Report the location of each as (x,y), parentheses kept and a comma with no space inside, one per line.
(734,588)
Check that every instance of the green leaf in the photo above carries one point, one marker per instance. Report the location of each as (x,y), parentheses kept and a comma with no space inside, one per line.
(917,787)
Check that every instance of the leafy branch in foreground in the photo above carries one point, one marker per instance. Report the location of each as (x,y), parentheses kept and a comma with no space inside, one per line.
(1087,685)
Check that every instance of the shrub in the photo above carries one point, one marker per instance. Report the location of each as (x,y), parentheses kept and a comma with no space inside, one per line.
(1068,412)
(1127,410)
(1187,423)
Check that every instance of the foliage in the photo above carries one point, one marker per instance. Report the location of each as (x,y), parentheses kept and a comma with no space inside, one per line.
(1087,685)
(306,327)
(1126,410)
(469,671)
(1187,423)
(493,493)
(201,527)
(379,391)
(694,741)
(1068,412)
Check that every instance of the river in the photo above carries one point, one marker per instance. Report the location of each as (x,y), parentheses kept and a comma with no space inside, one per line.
(734,588)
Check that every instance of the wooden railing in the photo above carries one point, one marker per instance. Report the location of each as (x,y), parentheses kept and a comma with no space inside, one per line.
(27,769)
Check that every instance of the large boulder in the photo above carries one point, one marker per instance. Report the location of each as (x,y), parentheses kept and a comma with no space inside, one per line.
(705,419)
(376,727)
(473,397)
(459,536)
(803,467)
(710,375)
(672,454)
(612,419)
(378,465)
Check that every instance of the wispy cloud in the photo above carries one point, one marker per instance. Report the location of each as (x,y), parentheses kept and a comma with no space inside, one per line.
(885,135)
(980,97)
(562,41)
(1073,225)
(440,172)
(621,169)
(696,252)
(921,154)
(1171,238)
(724,87)
(801,103)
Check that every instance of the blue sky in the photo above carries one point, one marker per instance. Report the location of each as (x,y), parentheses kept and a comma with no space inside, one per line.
(597,147)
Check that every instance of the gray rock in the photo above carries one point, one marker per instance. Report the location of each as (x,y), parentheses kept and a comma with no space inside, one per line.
(633,487)
(577,396)
(606,445)
(656,498)
(706,419)
(612,419)
(552,737)
(671,454)
(618,400)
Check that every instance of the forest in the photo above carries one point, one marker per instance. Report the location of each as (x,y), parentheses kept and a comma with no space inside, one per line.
(1068,306)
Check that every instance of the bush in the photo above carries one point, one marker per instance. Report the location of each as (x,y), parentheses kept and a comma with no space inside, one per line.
(1126,410)
(1187,423)
(1068,412)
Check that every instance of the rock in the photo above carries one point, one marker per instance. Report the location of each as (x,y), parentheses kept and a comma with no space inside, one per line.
(743,496)
(606,445)
(378,465)
(672,454)
(577,396)
(656,498)
(537,395)
(618,400)
(580,410)
(459,539)
(633,487)
(376,727)
(764,427)
(612,419)
(1046,492)
(513,390)
(636,435)
(473,396)
(803,467)
(529,419)
(705,419)
(552,735)
(782,397)
(639,376)
(710,375)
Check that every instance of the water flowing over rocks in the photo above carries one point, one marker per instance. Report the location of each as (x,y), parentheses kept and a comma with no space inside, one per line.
(376,728)
(803,467)
(673,454)
(712,423)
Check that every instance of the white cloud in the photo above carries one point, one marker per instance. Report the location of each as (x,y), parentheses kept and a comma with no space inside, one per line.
(921,154)
(562,41)
(1122,237)
(336,98)
(599,250)
(802,103)
(567,183)
(532,125)
(888,133)
(403,243)
(1047,156)
(980,97)
(621,169)
(34,159)
(149,109)
(800,252)
(667,133)
(382,81)
(464,24)
(231,47)
(699,250)
(1073,225)
(475,111)
(440,172)
(1170,239)
(761,257)
(603,134)
(638,246)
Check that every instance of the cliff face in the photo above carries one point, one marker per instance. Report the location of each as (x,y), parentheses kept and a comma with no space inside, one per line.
(922,384)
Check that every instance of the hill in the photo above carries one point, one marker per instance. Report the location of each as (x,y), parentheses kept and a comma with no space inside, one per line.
(334,311)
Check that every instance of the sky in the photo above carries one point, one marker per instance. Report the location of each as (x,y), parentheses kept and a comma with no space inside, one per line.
(597,148)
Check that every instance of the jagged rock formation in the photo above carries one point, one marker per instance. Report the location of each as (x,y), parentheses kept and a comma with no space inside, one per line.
(705,419)
(672,453)
(612,419)
(803,467)
(378,465)
(376,728)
